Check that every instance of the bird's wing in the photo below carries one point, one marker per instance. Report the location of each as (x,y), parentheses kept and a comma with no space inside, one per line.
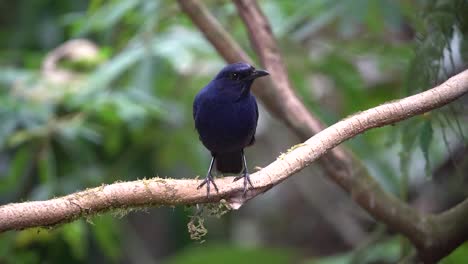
(195,108)
(252,141)
(196,102)
(256,112)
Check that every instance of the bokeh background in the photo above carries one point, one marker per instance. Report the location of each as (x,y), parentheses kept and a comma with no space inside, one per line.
(94,92)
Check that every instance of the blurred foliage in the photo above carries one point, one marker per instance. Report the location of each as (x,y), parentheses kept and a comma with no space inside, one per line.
(441,51)
(231,254)
(121,109)
(383,252)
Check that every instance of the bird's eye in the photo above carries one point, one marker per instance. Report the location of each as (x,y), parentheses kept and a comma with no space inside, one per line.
(234,76)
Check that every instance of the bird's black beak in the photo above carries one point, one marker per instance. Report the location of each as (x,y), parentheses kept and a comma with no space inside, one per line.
(254,75)
(258,73)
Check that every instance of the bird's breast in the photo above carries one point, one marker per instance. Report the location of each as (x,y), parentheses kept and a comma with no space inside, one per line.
(226,126)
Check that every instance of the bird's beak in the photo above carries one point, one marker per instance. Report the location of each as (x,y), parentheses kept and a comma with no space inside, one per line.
(255,74)
(258,73)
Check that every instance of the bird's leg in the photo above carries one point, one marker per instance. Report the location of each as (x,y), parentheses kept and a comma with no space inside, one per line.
(208,179)
(245,175)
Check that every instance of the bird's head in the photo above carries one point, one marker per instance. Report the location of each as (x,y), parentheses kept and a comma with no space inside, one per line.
(234,80)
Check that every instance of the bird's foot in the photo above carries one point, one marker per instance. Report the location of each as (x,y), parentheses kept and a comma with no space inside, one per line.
(246,177)
(209,179)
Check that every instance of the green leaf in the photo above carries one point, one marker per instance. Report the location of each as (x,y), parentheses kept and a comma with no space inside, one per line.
(18,167)
(28,237)
(5,244)
(105,16)
(114,68)
(347,79)
(9,75)
(105,231)
(47,165)
(226,254)
(387,251)
(459,255)
(74,235)
(374,16)
(425,140)
(409,135)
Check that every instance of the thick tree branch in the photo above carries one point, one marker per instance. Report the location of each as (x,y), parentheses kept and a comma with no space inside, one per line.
(291,109)
(157,191)
(449,226)
(339,165)
(447,232)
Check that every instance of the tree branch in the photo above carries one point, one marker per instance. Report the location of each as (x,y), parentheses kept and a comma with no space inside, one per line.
(280,99)
(422,230)
(291,109)
(339,165)
(447,232)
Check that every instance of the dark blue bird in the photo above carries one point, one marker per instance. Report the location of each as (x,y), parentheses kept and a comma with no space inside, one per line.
(226,115)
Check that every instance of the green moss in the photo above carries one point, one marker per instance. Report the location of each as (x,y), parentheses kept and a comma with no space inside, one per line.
(282,155)
(218,209)
(196,228)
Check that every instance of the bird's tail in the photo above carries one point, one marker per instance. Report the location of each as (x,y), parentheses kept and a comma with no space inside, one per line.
(230,162)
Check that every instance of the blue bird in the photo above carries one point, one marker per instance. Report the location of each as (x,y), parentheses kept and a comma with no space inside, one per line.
(226,115)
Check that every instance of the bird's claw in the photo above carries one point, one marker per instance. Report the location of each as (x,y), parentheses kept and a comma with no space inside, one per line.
(209,179)
(246,177)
